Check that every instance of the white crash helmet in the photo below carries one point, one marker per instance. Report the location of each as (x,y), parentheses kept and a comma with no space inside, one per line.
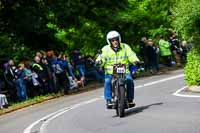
(111,35)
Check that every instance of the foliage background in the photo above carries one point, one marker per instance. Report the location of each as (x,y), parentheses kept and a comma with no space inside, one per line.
(187,21)
(62,25)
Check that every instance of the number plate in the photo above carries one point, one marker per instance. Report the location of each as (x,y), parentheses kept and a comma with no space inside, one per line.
(121,70)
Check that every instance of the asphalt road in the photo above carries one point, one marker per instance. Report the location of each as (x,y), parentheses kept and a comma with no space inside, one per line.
(161,108)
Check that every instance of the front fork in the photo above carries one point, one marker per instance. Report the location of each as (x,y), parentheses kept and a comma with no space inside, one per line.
(115,89)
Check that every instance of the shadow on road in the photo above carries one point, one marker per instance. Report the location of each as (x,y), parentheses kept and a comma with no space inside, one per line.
(139,109)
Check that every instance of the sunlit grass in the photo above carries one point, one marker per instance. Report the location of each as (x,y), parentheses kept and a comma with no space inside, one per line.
(29,102)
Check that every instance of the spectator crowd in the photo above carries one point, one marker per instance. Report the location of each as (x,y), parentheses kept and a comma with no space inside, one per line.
(49,72)
(167,52)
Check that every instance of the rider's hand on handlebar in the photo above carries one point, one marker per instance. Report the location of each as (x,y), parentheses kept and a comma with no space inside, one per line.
(137,63)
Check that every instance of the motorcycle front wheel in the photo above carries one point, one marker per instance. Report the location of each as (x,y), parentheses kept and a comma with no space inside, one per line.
(120,109)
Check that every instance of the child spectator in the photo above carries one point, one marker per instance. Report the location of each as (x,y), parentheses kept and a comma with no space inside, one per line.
(184,50)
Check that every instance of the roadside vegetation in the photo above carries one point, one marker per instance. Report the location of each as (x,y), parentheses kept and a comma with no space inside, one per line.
(63,25)
(187,21)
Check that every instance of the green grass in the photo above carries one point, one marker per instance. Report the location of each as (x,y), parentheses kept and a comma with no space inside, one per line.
(29,102)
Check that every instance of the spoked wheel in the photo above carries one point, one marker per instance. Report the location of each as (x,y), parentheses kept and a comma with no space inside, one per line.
(120,109)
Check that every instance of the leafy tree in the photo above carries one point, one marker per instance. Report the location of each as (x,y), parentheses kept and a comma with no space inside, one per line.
(67,24)
(187,20)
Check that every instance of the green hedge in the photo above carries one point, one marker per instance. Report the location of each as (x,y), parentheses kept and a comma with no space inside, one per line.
(192,68)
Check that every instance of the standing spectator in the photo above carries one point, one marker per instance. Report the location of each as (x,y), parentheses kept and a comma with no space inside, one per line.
(59,66)
(79,63)
(20,82)
(38,76)
(9,76)
(175,48)
(165,52)
(52,79)
(28,78)
(50,56)
(70,69)
(184,50)
(47,78)
(143,45)
(152,54)
(156,58)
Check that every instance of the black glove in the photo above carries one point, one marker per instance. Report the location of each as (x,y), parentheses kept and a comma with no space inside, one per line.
(137,63)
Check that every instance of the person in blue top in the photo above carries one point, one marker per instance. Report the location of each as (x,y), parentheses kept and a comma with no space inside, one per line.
(59,66)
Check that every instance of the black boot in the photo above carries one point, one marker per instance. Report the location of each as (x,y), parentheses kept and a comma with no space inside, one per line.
(131,103)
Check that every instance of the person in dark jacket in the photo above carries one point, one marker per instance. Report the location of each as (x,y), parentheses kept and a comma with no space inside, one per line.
(38,77)
(152,54)
(184,50)
(20,83)
(9,76)
(175,48)
(59,66)
(143,46)
(79,63)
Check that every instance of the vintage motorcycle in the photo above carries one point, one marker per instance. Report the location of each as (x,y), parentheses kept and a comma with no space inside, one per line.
(119,89)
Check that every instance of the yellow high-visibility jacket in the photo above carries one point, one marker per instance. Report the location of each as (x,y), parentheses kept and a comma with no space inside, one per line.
(109,57)
(164,48)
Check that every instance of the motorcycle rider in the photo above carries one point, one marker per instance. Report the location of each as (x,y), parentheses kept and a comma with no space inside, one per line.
(113,53)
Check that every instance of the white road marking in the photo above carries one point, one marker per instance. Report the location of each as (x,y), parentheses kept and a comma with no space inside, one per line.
(159,81)
(44,125)
(184,95)
(46,119)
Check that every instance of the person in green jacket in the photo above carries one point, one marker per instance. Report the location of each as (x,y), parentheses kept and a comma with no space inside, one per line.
(165,51)
(113,53)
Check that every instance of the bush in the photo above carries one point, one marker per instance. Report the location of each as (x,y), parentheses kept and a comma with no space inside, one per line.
(192,68)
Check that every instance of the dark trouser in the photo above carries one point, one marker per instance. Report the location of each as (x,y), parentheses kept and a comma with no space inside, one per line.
(63,81)
(183,57)
(156,63)
(12,91)
(21,89)
(145,59)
